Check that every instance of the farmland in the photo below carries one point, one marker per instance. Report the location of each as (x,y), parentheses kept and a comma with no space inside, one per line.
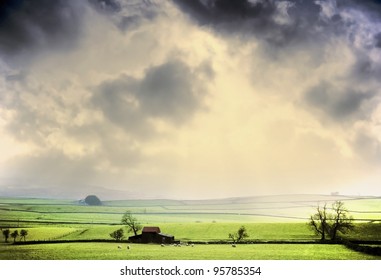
(109,251)
(267,219)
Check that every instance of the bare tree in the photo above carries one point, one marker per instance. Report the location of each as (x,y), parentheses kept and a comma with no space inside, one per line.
(131,222)
(342,222)
(318,222)
(330,223)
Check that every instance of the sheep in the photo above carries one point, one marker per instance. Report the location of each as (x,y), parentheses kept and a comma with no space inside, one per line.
(128,247)
(119,247)
(233,245)
(162,245)
(192,245)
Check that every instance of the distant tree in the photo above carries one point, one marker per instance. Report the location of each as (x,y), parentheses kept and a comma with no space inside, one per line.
(118,234)
(239,235)
(6,233)
(23,234)
(329,223)
(14,235)
(131,222)
(93,200)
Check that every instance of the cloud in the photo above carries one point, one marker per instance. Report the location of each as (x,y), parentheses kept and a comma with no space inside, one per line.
(190,98)
(31,26)
(172,92)
(284,25)
(127,15)
(339,104)
(95,115)
(223,11)
(106,6)
(279,23)
(368,146)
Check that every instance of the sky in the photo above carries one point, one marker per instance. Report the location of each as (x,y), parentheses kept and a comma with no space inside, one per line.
(189,99)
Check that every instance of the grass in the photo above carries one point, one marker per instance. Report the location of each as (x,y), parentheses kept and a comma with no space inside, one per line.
(202,231)
(265,218)
(252,209)
(366,231)
(181,231)
(109,251)
(220,231)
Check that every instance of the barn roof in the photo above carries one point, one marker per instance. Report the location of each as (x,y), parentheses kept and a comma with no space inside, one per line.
(151,230)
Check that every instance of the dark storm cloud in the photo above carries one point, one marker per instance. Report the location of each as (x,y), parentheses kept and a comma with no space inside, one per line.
(31,26)
(377,40)
(278,23)
(220,11)
(257,18)
(372,5)
(126,14)
(171,92)
(136,12)
(338,104)
(106,6)
(242,16)
(27,25)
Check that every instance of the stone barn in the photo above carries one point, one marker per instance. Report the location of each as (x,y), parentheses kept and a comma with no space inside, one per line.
(152,235)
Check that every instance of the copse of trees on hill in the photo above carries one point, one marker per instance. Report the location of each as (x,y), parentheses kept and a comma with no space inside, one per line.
(93,200)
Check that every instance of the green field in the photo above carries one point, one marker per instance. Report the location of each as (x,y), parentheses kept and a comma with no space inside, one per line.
(110,251)
(274,218)
(270,209)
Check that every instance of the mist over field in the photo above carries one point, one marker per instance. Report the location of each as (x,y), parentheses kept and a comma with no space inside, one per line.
(189,99)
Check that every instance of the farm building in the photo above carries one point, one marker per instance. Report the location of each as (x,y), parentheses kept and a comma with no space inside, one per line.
(152,235)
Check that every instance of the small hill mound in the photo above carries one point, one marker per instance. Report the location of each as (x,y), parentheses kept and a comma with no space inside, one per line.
(93,200)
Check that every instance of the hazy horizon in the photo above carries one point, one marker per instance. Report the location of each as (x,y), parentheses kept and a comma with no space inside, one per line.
(190,99)
(105,194)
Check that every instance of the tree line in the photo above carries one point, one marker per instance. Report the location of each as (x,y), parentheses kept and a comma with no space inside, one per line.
(14,234)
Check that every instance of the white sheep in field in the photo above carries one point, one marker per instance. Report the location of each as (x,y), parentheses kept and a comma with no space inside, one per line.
(162,245)
(192,245)
(119,247)
(233,245)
